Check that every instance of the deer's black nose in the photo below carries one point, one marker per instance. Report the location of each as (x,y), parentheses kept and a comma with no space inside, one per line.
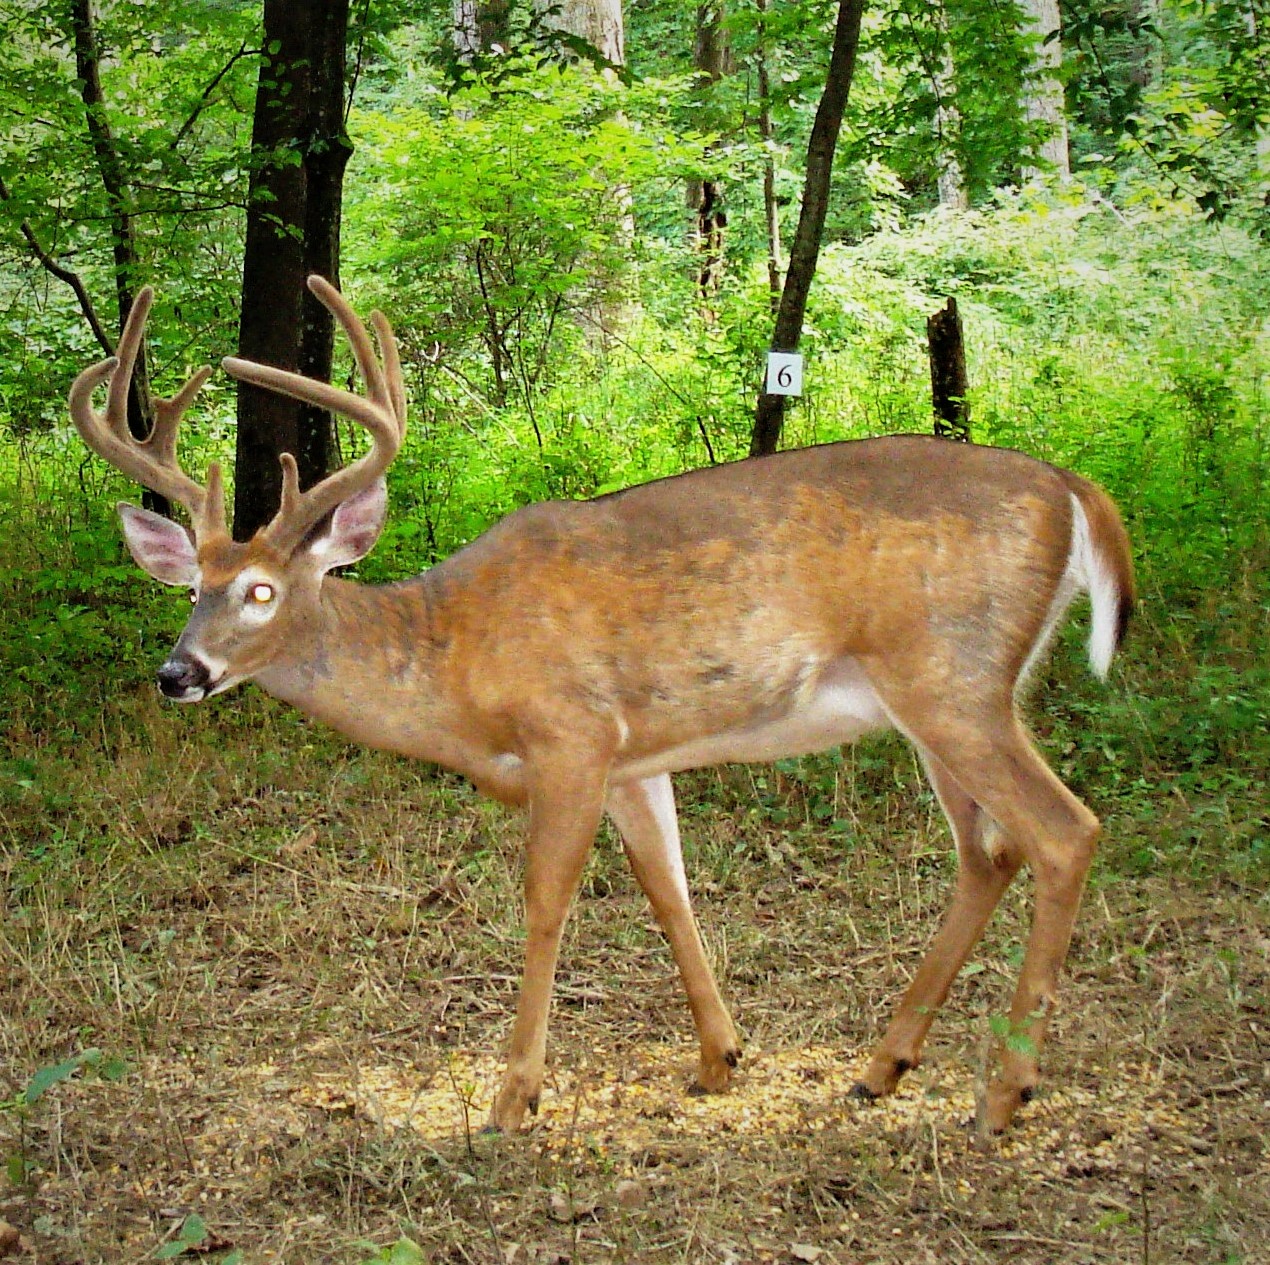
(178,678)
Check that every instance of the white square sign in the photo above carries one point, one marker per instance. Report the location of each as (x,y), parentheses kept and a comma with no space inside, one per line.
(784,373)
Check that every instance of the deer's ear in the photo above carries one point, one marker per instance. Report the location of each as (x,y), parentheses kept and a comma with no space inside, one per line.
(351,531)
(161,548)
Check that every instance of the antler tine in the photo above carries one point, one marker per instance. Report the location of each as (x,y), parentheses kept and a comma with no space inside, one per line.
(151,461)
(392,368)
(381,411)
(134,329)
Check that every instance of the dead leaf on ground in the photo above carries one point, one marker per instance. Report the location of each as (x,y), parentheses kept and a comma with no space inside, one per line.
(10,1240)
(631,1194)
(566,1210)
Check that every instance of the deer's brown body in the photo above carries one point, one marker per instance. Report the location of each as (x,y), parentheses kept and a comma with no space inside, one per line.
(576,654)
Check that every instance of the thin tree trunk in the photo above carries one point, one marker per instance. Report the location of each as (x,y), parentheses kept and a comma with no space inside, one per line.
(1044,101)
(711,58)
(951,180)
(805,250)
(119,202)
(293,225)
(771,212)
(123,243)
(1262,172)
(65,275)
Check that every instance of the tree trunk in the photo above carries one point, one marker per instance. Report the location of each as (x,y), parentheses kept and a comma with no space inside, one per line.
(478,25)
(951,180)
(805,250)
(948,382)
(711,57)
(299,152)
(1261,173)
(771,212)
(1044,102)
(118,200)
(599,22)
(326,154)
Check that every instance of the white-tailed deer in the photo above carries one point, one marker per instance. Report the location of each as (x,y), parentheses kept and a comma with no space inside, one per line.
(577,654)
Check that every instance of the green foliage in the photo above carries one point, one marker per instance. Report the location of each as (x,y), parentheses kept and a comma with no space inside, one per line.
(504,213)
(178,86)
(526,236)
(47,1077)
(193,1237)
(404,1252)
(1178,89)
(966,55)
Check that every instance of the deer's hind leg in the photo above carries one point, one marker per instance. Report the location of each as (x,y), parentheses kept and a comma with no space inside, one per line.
(983,747)
(987,861)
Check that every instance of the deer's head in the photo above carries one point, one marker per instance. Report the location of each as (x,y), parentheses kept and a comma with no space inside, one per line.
(253,601)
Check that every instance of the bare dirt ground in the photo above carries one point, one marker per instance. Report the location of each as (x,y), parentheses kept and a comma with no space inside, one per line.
(309,981)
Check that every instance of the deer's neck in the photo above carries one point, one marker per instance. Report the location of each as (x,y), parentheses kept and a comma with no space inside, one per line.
(375,663)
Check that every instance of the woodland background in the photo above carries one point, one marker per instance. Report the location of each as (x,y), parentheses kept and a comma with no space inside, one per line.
(221,926)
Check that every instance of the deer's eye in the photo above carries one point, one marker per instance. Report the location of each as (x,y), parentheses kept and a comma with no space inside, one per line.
(262,594)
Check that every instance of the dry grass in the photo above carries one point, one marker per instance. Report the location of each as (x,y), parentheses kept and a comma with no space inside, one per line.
(308,956)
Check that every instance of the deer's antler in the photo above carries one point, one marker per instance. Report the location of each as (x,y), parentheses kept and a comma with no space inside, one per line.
(382,411)
(151,461)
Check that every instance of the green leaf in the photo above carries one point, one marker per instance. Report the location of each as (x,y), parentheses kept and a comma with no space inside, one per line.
(47,1077)
(194,1229)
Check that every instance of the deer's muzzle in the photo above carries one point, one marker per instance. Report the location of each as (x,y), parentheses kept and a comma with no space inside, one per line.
(185,680)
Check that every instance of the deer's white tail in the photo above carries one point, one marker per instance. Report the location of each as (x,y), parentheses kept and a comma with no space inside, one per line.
(1101,565)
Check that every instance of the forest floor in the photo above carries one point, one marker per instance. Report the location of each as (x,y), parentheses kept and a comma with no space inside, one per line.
(309,970)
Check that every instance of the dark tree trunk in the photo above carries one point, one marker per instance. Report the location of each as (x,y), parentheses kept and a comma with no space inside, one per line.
(771,212)
(805,249)
(118,200)
(326,156)
(299,152)
(948,383)
(712,60)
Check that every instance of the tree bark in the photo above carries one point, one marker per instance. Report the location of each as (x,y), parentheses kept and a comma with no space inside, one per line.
(771,211)
(599,22)
(123,243)
(326,156)
(711,57)
(119,203)
(1044,101)
(948,382)
(951,180)
(478,25)
(299,152)
(805,248)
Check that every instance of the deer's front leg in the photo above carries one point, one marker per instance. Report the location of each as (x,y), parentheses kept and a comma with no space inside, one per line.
(566,799)
(644,813)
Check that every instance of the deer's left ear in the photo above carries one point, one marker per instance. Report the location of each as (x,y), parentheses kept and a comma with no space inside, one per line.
(352,529)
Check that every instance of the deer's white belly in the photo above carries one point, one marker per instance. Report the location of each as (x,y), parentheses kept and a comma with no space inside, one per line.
(839,709)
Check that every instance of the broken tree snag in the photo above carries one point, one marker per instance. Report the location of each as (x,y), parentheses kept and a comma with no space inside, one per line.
(948,385)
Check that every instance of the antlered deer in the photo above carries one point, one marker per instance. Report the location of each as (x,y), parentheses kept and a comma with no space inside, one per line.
(577,654)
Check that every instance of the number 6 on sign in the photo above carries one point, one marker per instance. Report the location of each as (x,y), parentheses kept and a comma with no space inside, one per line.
(784,373)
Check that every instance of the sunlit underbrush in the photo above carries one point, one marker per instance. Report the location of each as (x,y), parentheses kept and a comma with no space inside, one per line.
(1131,346)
